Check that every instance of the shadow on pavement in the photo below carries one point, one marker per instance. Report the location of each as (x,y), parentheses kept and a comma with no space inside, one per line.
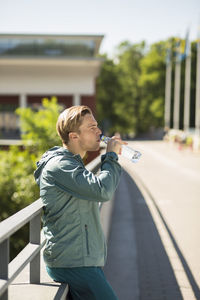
(137,266)
(186,268)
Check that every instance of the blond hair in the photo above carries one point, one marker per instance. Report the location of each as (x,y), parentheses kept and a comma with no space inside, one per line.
(70,120)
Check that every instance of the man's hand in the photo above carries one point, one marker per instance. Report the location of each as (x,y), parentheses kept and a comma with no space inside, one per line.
(115,145)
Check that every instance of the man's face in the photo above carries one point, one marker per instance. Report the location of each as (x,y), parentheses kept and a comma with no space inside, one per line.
(89,134)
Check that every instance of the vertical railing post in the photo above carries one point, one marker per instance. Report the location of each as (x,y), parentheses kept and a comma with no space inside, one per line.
(4,261)
(34,233)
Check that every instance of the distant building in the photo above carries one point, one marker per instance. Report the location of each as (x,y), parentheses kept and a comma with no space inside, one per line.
(36,66)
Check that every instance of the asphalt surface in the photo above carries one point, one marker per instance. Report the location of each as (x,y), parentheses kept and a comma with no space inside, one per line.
(154,244)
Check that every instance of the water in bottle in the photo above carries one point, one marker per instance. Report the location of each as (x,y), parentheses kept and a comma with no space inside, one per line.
(128,152)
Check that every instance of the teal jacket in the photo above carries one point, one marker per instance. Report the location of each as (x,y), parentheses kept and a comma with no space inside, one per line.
(71,196)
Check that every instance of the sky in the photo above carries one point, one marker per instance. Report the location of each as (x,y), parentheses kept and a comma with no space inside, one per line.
(117,20)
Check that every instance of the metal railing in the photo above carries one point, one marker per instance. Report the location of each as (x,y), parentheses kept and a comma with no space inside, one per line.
(31,253)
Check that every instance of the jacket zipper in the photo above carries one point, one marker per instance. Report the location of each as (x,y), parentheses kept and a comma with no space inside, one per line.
(87,241)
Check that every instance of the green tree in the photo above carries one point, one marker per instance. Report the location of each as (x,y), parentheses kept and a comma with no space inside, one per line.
(17,186)
(39,127)
(129,69)
(118,92)
(152,84)
(109,92)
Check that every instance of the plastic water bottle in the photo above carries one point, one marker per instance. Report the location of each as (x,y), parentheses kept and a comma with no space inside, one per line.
(128,152)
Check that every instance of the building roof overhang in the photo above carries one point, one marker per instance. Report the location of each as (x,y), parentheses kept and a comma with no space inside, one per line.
(42,61)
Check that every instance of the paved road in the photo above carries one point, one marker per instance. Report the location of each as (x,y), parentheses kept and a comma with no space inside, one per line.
(173,177)
(171,208)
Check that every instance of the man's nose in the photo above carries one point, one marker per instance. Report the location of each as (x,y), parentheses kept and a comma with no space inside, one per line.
(99,131)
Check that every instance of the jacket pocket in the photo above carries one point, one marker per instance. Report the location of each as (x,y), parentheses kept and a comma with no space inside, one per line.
(87,239)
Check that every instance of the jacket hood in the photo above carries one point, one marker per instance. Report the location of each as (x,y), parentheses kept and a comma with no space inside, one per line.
(55,151)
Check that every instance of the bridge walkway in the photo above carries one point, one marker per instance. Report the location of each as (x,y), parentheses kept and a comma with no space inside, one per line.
(140,252)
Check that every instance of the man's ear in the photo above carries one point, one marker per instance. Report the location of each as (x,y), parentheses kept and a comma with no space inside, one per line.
(73,136)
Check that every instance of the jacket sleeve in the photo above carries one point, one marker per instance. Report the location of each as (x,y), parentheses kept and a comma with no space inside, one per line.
(76,180)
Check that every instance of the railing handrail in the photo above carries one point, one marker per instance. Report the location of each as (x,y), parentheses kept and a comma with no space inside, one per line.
(19,219)
(31,214)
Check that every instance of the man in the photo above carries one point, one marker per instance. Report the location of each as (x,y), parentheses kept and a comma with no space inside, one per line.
(75,249)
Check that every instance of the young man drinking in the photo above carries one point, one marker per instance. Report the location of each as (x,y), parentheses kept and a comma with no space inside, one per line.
(75,249)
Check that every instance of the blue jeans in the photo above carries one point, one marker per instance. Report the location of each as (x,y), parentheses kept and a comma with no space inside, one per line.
(85,283)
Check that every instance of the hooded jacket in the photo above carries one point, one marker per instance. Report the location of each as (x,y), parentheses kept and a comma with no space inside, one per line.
(71,196)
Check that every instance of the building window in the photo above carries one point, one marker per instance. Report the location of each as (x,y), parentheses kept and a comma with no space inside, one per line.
(47,47)
(9,121)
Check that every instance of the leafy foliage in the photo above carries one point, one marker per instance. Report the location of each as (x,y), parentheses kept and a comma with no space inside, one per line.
(109,93)
(130,92)
(39,127)
(152,84)
(17,186)
(129,68)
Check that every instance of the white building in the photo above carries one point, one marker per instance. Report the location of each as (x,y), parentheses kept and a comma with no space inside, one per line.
(36,66)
